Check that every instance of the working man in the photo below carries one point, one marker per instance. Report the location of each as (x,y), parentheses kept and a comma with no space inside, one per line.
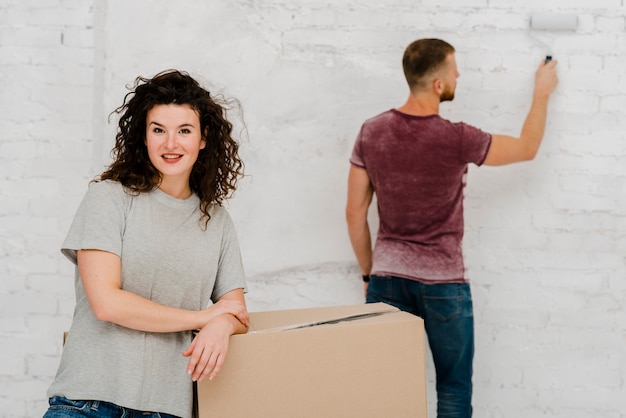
(416,163)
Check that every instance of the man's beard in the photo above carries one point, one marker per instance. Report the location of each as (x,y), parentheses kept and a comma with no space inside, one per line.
(447,95)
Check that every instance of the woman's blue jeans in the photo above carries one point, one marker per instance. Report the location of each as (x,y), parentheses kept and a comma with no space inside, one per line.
(61,407)
(449,322)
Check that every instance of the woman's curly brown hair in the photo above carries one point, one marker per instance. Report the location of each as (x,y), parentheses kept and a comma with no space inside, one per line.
(214,175)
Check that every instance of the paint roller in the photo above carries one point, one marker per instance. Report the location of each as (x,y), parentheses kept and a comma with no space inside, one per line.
(553,22)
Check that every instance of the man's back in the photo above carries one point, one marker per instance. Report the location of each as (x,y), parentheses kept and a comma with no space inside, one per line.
(417,165)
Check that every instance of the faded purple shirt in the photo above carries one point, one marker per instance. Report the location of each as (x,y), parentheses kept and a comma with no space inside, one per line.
(418,167)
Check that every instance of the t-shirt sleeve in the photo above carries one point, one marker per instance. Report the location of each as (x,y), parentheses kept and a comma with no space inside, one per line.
(99,221)
(230,273)
(475,144)
(357,159)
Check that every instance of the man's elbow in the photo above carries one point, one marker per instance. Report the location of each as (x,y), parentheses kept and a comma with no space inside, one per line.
(355,216)
(530,153)
(530,148)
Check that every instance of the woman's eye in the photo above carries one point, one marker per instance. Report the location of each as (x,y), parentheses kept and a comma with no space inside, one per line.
(158,130)
(185,131)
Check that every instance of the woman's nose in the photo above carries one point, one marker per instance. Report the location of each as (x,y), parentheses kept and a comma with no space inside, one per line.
(170,141)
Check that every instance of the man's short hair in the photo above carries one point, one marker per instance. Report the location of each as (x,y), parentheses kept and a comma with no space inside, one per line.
(422,58)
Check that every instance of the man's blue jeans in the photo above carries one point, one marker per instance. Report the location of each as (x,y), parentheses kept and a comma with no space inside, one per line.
(449,322)
(61,407)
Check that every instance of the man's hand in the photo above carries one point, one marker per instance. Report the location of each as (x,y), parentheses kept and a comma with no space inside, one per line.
(546,79)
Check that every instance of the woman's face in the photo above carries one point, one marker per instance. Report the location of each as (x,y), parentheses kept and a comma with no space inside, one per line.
(174,139)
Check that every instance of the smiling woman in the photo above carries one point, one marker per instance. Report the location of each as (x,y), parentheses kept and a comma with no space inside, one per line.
(153,248)
(174,140)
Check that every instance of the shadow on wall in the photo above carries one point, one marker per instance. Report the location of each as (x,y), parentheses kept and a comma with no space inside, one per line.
(306,287)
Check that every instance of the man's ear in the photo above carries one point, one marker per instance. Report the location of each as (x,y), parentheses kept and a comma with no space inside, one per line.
(438,86)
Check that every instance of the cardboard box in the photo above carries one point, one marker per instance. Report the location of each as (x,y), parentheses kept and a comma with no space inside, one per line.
(340,362)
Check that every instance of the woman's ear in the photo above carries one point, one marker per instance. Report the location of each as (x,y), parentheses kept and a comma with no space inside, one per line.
(205,135)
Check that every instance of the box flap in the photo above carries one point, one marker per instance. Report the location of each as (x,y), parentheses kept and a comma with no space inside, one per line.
(338,320)
(268,321)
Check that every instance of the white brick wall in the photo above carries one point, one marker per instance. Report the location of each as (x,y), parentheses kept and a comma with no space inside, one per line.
(545,241)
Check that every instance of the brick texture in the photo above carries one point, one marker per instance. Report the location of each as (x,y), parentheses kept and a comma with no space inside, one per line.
(545,240)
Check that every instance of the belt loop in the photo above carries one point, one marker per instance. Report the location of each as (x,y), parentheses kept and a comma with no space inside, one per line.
(95,405)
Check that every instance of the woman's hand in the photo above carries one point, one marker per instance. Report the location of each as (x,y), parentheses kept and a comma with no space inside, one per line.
(208,349)
(234,307)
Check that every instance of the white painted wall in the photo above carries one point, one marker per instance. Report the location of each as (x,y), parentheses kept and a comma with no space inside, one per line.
(545,242)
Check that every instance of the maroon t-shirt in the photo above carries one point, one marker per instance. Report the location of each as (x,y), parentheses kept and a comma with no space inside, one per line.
(418,166)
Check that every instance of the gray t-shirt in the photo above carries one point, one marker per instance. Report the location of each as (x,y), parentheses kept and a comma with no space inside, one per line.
(166,257)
